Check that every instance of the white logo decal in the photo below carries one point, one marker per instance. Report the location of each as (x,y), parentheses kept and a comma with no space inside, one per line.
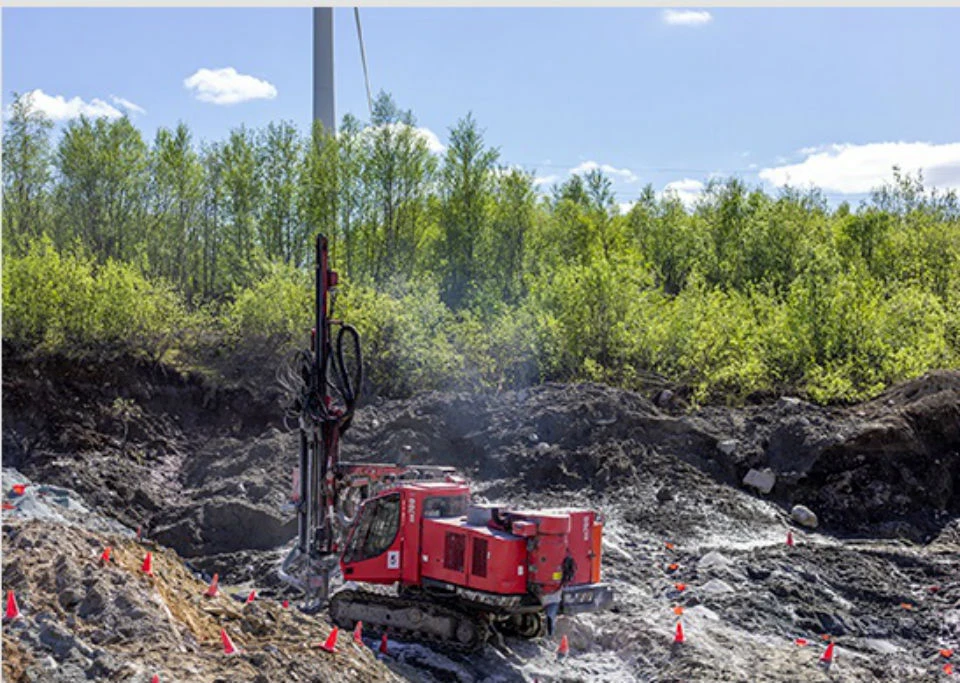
(393,559)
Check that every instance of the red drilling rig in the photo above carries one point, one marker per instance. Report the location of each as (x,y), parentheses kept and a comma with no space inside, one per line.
(419,559)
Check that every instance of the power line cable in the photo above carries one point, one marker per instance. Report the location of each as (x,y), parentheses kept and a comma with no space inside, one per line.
(363,59)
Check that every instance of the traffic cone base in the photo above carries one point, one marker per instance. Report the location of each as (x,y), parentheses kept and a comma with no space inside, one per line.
(331,643)
(228,647)
(13,610)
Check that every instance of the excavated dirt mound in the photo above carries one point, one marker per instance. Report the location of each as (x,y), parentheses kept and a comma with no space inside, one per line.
(85,621)
(205,473)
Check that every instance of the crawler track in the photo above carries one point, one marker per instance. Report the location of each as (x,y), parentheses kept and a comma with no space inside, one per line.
(414,618)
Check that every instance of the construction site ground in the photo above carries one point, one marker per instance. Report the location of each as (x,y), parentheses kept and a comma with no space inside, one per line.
(104,449)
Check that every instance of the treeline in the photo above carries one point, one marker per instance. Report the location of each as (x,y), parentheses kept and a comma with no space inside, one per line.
(458,272)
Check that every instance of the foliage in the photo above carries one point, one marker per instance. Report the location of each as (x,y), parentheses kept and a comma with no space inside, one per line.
(56,301)
(456,270)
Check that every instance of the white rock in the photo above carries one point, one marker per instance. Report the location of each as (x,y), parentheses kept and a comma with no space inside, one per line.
(727,446)
(716,587)
(762,480)
(804,516)
(713,560)
(789,402)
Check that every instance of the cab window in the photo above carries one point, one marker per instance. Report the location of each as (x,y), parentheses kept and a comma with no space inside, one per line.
(376,528)
(445,506)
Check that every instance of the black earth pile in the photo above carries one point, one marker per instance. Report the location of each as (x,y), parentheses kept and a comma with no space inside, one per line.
(205,473)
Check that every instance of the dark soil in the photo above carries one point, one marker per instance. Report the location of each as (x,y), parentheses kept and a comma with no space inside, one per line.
(205,471)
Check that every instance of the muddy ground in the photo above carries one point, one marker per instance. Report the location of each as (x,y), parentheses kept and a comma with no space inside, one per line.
(203,473)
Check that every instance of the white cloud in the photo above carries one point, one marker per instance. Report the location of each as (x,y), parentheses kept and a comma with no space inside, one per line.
(434,146)
(686,17)
(226,86)
(126,104)
(545,180)
(433,141)
(588,166)
(58,108)
(686,190)
(625,207)
(855,169)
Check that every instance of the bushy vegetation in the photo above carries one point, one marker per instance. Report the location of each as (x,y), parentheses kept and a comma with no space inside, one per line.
(457,272)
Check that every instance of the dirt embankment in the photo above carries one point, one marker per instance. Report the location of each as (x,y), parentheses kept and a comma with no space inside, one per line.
(204,473)
(890,467)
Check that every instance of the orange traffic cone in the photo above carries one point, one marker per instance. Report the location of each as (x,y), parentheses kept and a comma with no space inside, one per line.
(789,539)
(147,567)
(214,588)
(827,656)
(680,586)
(105,557)
(678,636)
(673,567)
(948,669)
(285,604)
(802,642)
(228,646)
(678,610)
(331,643)
(9,506)
(358,633)
(564,648)
(946,653)
(155,679)
(13,611)
(252,596)
(383,645)
(19,489)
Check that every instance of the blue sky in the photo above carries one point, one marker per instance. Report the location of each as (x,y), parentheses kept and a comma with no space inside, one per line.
(828,96)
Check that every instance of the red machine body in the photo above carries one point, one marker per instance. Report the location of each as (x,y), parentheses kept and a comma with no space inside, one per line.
(428,535)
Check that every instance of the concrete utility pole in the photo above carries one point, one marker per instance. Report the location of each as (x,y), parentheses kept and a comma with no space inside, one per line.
(324,107)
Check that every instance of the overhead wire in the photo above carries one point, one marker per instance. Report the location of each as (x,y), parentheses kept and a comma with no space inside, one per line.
(363,59)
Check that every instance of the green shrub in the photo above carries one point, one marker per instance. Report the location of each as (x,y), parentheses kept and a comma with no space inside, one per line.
(405,339)
(276,312)
(65,303)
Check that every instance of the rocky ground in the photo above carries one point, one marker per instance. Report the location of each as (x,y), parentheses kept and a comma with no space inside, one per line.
(203,473)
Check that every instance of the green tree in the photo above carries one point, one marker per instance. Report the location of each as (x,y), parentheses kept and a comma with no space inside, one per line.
(27,156)
(101,190)
(243,192)
(282,233)
(466,205)
(177,186)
